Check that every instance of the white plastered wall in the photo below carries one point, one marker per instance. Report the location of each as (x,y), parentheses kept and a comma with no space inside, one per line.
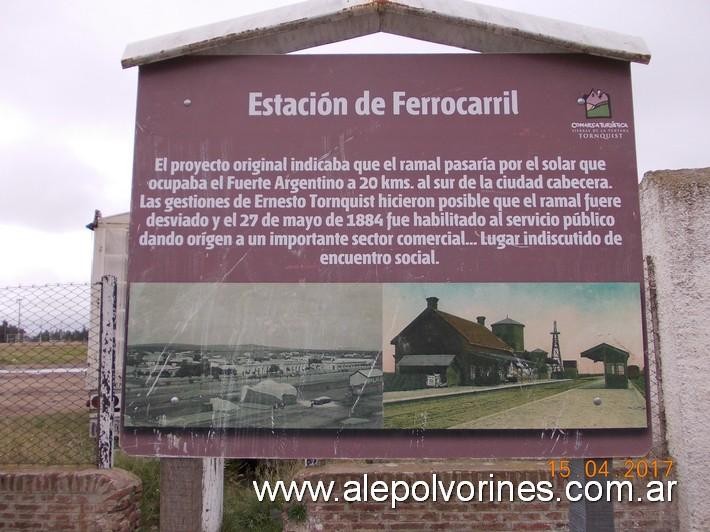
(675,216)
(110,258)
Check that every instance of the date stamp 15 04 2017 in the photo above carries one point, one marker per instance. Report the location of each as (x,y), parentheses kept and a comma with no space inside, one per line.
(631,468)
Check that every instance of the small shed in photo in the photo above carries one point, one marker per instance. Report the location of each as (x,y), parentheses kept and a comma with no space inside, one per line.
(366,381)
(615,364)
(270,393)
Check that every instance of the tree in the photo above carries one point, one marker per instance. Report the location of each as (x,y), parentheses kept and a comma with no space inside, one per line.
(9,332)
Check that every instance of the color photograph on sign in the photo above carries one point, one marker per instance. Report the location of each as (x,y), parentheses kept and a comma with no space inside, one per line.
(337,243)
(513,356)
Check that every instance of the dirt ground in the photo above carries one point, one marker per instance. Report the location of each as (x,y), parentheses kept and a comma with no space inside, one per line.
(23,394)
(584,408)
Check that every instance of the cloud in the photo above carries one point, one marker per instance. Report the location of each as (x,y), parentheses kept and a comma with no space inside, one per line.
(54,177)
(46,187)
(15,126)
(31,256)
(303,316)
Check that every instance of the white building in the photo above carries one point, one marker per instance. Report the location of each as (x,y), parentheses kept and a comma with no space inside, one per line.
(366,380)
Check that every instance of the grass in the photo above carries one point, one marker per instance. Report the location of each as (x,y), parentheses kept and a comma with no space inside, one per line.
(445,412)
(148,470)
(46,353)
(52,439)
(64,439)
(242,509)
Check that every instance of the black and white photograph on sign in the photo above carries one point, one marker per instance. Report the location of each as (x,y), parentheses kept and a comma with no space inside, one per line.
(513,356)
(261,356)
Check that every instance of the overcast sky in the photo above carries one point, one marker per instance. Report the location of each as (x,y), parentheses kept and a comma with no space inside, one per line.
(298,316)
(67,108)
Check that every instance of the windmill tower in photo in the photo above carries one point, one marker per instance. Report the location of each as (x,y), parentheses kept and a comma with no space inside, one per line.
(555,354)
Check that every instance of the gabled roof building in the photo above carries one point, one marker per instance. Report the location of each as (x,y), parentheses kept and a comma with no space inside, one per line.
(454,347)
(615,364)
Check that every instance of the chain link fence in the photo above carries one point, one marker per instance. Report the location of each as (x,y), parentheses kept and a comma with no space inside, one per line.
(48,374)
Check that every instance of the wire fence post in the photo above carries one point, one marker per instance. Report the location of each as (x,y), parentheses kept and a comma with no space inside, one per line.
(107,371)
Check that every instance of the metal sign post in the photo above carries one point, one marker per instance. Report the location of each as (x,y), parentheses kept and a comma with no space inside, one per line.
(107,371)
(587,516)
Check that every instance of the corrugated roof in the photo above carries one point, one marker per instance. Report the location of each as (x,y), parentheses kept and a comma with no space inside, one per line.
(271,387)
(426,360)
(373,372)
(475,333)
(599,352)
(451,22)
(508,321)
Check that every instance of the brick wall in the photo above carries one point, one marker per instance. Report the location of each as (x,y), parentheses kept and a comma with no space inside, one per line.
(57,499)
(459,516)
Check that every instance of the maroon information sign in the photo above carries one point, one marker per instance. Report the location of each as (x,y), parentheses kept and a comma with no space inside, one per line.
(349,256)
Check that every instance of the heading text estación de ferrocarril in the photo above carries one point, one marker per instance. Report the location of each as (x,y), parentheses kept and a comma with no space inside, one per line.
(324,104)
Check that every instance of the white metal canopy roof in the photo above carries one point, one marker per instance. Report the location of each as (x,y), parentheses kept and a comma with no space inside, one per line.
(451,22)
